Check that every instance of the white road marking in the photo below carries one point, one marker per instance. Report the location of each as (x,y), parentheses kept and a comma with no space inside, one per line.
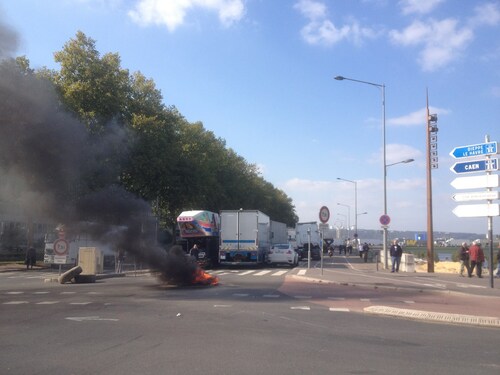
(409,302)
(15,293)
(47,303)
(240,294)
(262,273)
(336,298)
(339,309)
(300,308)
(279,273)
(80,303)
(15,302)
(271,295)
(302,297)
(246,273)
(301,272)
(40,292)
(223,305)
(89,318)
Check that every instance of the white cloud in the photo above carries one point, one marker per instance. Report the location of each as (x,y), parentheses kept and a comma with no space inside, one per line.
(394,153)
(172,13)
(486,15)
(322,31)
(418,6)
(416,118)
(310,9)
(443,41)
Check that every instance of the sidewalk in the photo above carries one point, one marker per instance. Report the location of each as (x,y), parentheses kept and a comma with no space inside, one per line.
(441,297)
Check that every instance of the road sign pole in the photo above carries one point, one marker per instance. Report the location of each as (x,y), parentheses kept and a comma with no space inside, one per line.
(490,225)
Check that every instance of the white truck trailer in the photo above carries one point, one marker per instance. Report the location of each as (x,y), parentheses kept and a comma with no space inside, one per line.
(245,237)
(302,236)
(279,233)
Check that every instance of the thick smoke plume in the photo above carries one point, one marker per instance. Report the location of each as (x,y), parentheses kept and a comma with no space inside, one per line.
(49,165)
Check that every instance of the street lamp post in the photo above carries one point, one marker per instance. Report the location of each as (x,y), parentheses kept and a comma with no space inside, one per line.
(381,86)
(348,217)
(355,202)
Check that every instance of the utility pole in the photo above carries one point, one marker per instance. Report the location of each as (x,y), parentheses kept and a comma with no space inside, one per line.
(431,129)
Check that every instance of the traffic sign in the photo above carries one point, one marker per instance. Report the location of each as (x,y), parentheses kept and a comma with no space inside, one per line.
(385,219)
(474,182)
(477,210)
(476,196)
(481,165)
(324,214)
(61,247)
(489,148)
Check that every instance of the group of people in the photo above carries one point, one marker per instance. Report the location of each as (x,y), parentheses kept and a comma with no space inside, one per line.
(473,258)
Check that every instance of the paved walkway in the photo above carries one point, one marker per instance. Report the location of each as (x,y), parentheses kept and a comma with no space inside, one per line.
(440,297)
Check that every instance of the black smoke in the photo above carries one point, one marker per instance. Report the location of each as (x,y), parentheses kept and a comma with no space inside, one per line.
(53,168)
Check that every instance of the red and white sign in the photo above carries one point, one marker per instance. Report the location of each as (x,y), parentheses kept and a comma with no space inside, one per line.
(61,247)
(324,214)
(385,219)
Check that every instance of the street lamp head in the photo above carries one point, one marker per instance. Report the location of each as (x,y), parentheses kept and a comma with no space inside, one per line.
(408,161)
(339,78)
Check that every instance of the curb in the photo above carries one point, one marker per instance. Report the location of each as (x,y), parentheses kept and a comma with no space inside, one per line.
(483,321)
(429,316)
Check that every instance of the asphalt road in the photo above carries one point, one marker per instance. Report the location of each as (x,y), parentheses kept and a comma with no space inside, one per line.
(256,321)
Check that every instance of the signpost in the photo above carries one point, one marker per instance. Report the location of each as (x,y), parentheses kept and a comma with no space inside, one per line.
(477,210)
(476,196)
(324,216)
(482,165)
(488,148)
(474,182)
(487,181)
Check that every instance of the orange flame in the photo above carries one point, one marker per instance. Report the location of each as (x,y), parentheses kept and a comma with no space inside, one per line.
(203,278)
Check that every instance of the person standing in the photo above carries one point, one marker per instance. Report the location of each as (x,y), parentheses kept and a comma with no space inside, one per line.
(349,246)
(365,248)
(476,256)
(464,258)
(194,251)
(396,252)
(30,258)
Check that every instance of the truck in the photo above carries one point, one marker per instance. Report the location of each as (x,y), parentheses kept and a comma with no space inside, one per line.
(245,237)
(279,233)
(201,228)
(302,239)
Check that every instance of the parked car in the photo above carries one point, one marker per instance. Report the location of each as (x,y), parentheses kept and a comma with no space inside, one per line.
(283,253)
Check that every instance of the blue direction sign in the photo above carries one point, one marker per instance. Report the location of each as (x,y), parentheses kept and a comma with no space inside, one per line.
(489,148)
(481,165)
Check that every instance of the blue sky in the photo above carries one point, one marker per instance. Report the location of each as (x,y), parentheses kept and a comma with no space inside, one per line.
(260,74)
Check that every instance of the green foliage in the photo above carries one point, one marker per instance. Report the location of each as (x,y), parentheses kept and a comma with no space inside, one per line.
(173,164)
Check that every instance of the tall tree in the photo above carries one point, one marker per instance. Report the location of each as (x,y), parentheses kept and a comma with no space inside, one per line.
(94,88)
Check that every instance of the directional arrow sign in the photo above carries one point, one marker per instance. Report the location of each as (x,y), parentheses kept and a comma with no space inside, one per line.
(476,196)
(474,182)
(475,166)
(477,210)
(489,148)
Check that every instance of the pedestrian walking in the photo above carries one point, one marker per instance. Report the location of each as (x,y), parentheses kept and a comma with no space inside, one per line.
(476,256)
(464,259)
(396,252)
